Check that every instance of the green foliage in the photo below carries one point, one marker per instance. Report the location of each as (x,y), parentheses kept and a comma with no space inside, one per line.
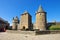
(55,27)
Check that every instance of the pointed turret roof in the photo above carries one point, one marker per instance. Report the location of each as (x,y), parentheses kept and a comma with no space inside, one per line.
(40,9)
(16,18)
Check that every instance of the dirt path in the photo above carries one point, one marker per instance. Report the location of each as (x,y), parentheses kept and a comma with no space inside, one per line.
(12,36)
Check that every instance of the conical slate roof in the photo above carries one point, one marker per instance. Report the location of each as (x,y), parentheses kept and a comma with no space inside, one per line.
(16,18)
(40,9)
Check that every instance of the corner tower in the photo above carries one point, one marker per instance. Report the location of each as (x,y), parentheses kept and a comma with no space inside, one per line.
(15,23)
(26,21)
(40,19)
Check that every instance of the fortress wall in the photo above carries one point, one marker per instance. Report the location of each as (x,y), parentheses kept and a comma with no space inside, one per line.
(48,32)
(34,32)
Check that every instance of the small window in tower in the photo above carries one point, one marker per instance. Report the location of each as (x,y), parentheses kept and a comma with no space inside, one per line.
(40,13)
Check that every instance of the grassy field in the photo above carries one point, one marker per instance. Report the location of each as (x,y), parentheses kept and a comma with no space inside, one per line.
(55,27)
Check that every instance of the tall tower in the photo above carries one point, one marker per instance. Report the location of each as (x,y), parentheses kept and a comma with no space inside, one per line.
(26,21)
(15,23)
(41,19)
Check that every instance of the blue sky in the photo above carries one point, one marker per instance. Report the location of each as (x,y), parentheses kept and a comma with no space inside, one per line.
(12,8)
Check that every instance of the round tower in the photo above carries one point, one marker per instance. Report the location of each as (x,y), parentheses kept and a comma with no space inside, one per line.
(40,19)
(15,23)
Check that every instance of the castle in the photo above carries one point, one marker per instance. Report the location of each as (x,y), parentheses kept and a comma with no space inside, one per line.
(25,22)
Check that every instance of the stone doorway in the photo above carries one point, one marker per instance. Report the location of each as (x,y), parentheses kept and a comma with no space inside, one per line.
(23,27)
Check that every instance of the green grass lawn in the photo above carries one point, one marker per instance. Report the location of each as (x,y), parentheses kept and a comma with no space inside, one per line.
(54,27)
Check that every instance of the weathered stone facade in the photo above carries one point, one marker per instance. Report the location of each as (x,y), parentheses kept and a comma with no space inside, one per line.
(40,19)
(26,21)
(15,23)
